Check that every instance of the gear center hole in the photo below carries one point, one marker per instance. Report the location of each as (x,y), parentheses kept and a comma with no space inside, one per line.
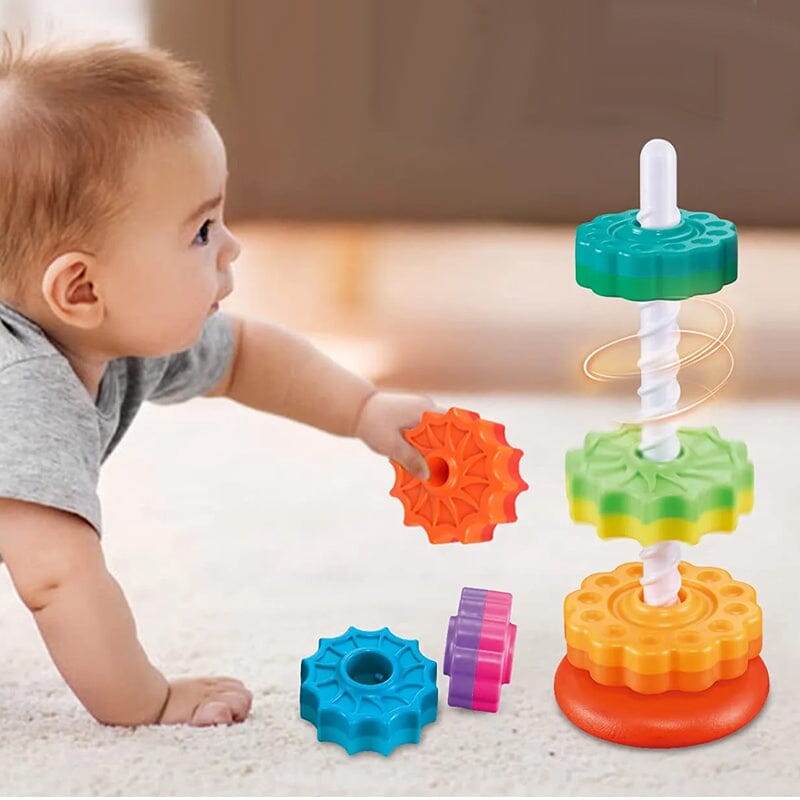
(369,668)
(641,456)
(681,598)
(440,471)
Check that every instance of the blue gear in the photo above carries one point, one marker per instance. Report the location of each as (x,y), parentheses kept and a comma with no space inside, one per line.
(368,690)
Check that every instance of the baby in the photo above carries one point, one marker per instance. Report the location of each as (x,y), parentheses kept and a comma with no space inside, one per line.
(113,259)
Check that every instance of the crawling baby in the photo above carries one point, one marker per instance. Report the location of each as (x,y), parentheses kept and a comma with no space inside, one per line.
(113,259)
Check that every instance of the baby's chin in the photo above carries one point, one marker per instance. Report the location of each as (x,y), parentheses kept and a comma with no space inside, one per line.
(167,343)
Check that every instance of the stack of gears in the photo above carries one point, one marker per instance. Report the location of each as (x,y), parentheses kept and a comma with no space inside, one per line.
(660,653)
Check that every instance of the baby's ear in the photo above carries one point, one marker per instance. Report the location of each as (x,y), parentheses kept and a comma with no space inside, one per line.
(68,289)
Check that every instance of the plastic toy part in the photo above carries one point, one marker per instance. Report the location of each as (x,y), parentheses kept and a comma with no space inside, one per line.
(705,489)
(711,634)
(658,185)
(616,257)
(474,481)
(479,652)
(672,719)
(368,690)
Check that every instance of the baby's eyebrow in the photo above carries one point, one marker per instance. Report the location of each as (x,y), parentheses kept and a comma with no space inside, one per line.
(203,207)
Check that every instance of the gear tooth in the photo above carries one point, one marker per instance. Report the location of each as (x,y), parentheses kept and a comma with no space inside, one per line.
(372,701)
(305,667)
(462,415)
(322,647)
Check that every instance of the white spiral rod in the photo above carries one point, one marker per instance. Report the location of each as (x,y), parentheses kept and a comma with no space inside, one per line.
(660,391)
(659,335)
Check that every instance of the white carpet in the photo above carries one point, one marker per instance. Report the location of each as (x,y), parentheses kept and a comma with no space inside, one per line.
(240,539)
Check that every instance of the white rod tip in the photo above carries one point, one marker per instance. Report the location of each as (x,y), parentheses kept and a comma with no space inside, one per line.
(659,148)
(658,186)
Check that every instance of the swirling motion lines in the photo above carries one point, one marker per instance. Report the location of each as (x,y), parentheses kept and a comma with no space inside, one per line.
(713,344)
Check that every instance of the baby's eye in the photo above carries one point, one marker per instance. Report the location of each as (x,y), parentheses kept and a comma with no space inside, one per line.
(202,235)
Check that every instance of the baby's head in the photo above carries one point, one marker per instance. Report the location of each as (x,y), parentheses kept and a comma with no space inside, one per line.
(112,180)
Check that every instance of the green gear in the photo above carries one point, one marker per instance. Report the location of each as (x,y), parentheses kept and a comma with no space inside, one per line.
(610,484)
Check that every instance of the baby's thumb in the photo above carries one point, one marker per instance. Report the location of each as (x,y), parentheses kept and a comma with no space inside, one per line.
(412,461)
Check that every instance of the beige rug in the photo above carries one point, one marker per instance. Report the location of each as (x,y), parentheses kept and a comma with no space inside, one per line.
(240,539)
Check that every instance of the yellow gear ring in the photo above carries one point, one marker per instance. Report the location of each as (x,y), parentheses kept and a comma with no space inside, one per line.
(710,635)
(612,526)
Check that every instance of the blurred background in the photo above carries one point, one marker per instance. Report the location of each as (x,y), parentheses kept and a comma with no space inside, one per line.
(407,175)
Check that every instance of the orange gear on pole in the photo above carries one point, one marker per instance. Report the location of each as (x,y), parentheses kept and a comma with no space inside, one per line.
(474,478)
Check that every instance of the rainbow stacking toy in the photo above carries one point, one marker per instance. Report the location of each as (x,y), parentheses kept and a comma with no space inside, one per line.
(660,653)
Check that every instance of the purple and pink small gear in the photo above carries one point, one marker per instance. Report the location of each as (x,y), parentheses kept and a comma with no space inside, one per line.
(480,649)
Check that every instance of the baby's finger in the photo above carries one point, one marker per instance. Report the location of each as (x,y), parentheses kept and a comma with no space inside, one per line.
(238,702)
(213,712)
(432,407)
(412,461)
(226,683)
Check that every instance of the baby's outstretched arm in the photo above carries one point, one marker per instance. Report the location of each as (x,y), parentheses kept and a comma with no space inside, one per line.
(278,371)
(59,572)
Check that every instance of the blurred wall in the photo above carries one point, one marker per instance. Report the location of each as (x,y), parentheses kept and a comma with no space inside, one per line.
(530,110)
(43,21)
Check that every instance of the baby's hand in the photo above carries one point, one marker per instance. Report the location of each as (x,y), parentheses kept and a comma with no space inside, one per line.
(206,701)
(382,420)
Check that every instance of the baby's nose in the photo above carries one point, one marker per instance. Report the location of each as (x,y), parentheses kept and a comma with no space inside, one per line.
(235,249)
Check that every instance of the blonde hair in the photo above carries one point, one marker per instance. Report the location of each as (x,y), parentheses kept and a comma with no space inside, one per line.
(72,118)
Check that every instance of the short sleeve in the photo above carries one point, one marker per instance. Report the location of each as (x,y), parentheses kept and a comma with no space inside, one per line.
(49,439)
(195,371)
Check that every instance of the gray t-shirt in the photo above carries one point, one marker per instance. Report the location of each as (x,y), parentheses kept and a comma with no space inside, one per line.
(53,437)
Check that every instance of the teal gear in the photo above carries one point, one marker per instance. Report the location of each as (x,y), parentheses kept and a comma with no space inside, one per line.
(616,257)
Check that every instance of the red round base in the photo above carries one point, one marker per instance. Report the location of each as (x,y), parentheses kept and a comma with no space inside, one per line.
(671,719)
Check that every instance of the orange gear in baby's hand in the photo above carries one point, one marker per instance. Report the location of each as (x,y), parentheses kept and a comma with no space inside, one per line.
(474,480)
